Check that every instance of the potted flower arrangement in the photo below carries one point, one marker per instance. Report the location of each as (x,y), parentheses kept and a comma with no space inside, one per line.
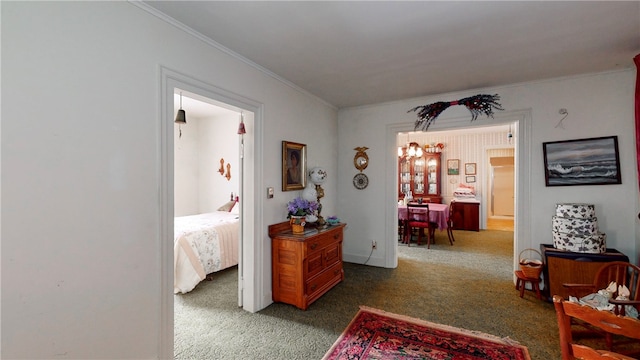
(298,209)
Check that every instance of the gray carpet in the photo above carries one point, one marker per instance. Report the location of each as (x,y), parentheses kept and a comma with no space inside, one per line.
(468,285)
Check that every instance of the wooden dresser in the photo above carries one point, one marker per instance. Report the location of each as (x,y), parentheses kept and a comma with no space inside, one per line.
(563,267)
(305,266)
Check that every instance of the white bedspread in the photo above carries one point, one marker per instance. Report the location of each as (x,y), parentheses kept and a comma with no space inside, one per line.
(203,244)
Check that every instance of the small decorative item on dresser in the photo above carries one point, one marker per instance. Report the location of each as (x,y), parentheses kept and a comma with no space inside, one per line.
(298,209)
(297,224)
(333,220)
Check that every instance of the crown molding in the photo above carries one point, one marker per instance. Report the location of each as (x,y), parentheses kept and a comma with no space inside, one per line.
(207,40)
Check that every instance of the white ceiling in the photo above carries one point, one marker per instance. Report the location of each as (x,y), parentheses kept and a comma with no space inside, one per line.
(356,53)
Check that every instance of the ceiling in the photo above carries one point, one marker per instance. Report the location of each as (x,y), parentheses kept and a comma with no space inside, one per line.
(357,53)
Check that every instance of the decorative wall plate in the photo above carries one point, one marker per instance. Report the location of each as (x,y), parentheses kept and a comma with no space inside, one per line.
(360,181)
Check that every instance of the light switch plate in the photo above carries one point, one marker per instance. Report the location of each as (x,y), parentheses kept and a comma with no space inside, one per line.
(269,193)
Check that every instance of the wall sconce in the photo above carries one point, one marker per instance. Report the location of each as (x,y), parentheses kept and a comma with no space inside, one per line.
(181,117)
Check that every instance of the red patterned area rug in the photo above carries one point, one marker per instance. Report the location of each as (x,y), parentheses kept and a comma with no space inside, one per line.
(376,334)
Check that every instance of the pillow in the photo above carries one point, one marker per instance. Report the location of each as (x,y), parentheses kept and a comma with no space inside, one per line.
(227,207)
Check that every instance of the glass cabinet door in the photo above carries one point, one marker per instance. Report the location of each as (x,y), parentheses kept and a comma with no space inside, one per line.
(432,176)
(418,176)
(405,176)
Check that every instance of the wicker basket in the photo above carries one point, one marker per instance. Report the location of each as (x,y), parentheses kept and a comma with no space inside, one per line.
(531,268)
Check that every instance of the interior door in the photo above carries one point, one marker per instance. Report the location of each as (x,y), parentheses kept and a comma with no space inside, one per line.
(503,190)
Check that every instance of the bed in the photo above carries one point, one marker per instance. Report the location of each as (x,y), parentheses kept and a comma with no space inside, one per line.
(203,244)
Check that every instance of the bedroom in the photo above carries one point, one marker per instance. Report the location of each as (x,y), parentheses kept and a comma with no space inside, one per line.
(206,189)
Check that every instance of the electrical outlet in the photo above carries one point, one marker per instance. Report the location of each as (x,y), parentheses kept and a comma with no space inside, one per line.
(374,244)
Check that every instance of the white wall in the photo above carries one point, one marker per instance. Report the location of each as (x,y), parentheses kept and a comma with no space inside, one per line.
(218,140)
(186,185)
(598,105)
(81,260)
(198,186)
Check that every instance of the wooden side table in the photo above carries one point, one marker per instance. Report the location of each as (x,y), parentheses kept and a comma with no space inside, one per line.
(522,280)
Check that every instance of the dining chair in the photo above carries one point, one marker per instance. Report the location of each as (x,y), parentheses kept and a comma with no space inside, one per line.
(605,321)
(418,217)
(452,207)
(620,272)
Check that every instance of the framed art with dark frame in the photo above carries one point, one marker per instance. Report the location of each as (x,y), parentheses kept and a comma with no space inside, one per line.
(453,167)
(294,166)
(470,168)
(593,161)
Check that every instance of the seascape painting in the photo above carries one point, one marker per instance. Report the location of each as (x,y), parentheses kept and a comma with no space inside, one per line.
(592,161)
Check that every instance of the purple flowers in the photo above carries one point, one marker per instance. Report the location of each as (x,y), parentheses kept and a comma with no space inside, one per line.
(301,207)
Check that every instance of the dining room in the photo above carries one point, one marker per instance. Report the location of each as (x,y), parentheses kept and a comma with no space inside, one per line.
(455,166)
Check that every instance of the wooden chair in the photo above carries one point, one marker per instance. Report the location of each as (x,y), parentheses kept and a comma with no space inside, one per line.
(604,320)
(418,217)
(623,273)
(450,222)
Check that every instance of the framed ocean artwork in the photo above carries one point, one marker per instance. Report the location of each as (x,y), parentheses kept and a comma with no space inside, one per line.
(593,161)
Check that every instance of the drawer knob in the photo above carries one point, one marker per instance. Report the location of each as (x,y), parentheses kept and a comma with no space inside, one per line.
(313,287)
(336,271)
(314,246)
(336,236)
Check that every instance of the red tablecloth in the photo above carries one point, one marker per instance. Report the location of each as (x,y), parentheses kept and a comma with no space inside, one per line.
(438,213)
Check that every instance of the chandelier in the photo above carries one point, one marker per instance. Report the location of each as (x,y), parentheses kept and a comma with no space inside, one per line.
(412,149)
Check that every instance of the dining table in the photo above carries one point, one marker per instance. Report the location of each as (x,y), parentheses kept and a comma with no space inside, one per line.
(438,214)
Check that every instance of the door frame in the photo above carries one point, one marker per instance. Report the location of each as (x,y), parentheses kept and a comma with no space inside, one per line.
(251,208)
(522,138)
(488,182)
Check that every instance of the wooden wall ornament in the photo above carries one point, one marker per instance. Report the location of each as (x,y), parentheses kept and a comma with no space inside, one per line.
(221,170)
(477,104)
(361,160)
(228,175)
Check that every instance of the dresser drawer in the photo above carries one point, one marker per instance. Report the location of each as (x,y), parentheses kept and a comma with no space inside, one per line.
(323,257)
(317,285)
(320,242)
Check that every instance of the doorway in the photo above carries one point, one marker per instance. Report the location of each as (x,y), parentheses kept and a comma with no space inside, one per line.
(203,146)
(520,140)
(500,207)
(251,153)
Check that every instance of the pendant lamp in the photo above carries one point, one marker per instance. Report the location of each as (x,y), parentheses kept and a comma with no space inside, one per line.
(241,128)
(181,118)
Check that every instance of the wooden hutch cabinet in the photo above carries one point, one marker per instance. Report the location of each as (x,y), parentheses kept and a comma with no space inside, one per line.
(421,176)
(305,266)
